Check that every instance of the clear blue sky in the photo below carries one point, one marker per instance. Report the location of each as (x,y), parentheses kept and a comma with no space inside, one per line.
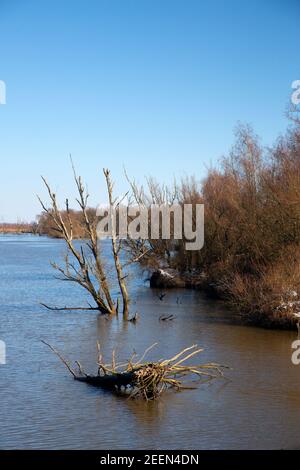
(155,85)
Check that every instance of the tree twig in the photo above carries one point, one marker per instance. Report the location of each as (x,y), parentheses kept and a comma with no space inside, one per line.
(60,357)
(68,308)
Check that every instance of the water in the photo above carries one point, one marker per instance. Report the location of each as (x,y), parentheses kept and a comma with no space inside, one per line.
(41,407)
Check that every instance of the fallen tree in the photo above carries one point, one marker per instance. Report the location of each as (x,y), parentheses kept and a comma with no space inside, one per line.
(146,380)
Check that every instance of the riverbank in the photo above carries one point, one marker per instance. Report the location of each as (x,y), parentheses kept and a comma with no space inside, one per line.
(251,231)
(281,314)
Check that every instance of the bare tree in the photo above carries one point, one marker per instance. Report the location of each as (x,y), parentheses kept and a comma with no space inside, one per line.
(116,244)
(152,252)
(86,266)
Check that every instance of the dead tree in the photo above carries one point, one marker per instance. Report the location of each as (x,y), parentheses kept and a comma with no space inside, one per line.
(86,266)
(116,244)
(152,253)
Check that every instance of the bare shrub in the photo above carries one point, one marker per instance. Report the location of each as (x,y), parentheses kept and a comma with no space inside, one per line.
(252,227)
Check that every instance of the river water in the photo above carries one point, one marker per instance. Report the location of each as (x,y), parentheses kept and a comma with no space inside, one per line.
(42,407)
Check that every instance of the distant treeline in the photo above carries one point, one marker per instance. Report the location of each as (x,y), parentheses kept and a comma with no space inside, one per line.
(18,228)
(46,225)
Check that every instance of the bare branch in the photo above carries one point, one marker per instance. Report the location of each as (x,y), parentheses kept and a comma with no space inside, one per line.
(60,357)
(68,308)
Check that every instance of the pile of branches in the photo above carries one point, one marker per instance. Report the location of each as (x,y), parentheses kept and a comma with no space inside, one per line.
(147,380)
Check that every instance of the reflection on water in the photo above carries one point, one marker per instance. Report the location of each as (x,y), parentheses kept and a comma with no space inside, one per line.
(42,407)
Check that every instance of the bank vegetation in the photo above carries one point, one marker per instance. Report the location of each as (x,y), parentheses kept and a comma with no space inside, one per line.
(251,253)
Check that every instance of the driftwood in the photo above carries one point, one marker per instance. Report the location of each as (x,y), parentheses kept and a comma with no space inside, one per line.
(144,379)
(107,380)
(166,317)
(60,309)
(110,381)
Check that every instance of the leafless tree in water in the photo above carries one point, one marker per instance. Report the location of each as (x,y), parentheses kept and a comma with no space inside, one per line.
(85,267)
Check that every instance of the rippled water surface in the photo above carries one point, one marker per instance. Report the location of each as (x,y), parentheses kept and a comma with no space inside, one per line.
(258,406)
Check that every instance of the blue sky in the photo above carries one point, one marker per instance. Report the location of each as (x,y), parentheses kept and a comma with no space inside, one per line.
(155,86)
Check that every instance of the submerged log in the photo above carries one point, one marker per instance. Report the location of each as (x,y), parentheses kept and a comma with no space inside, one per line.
(110,381)
(145,379)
